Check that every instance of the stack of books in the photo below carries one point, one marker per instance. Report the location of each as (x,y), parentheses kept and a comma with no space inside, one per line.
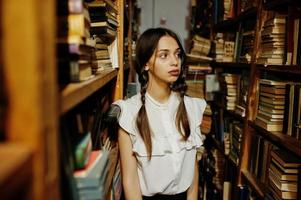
(101,58)
(91,179)
(273,41)
(235,141)
(283,174)
(74,43)
(228,88)
(271,105)
(103,19)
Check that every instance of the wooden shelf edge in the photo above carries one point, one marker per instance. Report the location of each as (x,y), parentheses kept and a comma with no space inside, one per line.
(253,183)
(16,172)
(280,4)
(280,139)
(291,69)
(235,115)
(233,65)
(248,14)
(74,93)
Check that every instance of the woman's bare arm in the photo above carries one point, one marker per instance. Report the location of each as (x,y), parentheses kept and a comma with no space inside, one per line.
(192,193)
(130,180)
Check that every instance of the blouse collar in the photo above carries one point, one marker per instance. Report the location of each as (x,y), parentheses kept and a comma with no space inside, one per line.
(159,104)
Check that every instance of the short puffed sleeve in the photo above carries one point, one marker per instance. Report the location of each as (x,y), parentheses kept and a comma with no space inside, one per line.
(127,116)
(195,109)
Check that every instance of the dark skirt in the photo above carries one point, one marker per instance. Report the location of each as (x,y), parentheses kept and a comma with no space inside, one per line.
(180,196)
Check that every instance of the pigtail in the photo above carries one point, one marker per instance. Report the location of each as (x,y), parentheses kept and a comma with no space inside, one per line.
(142,119)
(182,122)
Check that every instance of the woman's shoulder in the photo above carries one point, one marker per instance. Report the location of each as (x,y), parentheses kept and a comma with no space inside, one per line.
(132,101)
(131,104)
(195,101)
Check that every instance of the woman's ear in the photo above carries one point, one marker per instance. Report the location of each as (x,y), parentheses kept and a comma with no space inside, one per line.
(146,68)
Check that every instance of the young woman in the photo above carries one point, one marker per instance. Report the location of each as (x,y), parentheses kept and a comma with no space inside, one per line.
(160,127)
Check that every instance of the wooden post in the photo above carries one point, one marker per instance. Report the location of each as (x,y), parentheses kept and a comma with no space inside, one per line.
(30,73)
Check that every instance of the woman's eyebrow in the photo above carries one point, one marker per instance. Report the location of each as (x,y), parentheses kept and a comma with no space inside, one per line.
(178,49)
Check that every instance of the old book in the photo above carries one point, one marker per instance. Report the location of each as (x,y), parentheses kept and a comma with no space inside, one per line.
(272,95)
(272,106)
(270,110)
(279,84)
(108,4)
(267,125)
(82,151)
(270,117)
(282,175)
(291,109)
(281,194)
(272,101)
(74,24)
(93,175)
(283,185)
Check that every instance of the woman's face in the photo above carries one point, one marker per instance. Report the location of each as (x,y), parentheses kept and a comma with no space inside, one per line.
(165,64)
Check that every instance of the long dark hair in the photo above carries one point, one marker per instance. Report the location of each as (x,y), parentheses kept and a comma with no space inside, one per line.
(146,46)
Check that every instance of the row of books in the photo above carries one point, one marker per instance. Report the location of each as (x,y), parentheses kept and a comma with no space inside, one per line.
(279,107)
(274,167)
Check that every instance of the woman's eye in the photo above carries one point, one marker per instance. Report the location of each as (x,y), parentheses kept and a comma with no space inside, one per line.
(164,55)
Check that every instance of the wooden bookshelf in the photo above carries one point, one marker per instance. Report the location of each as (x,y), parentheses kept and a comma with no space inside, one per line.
(35,103)
(17,159)
(74,93)
(280,139)
(259,188)
(238,29)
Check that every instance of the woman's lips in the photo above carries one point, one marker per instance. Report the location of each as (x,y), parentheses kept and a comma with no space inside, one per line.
(174,72)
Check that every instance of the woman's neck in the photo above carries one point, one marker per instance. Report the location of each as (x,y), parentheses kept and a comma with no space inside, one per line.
(160,94)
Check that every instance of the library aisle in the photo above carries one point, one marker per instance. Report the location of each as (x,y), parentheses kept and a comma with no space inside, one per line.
(63,63)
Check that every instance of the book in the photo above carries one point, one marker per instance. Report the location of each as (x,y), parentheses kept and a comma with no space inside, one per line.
(83,149)
(94,173)
(271,106)
(281,174)
(279,84)
(281,194)
(283,185)
(291,109)
(267,125)
(272,90)
(272,101)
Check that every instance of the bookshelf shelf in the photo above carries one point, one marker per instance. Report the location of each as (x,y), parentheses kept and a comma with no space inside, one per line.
(280,139)
(226,24)
(250,13)
(231,65)
(235,115)
(280,4)
(259,188)
(290,69)
(18,160)
(75,93)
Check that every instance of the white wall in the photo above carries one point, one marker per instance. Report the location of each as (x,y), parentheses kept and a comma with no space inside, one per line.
(176,14)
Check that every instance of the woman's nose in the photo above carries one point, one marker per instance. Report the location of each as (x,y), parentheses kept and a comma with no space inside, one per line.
(174,60)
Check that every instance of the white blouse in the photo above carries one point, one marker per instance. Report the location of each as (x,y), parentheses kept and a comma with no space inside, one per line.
(171,168)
